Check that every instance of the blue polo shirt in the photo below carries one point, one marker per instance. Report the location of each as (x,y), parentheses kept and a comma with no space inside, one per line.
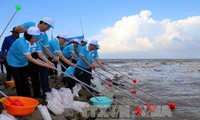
(42,37)
(54,46)
(89,55)
(78,49)
(16,55)
(69,72)
(67,51)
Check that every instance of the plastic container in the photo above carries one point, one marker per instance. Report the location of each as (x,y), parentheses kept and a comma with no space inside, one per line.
(101,101)
(44,112)
(1,100)
(28,107)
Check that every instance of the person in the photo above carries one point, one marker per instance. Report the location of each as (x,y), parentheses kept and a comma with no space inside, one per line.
(84,42)
(69,82)
(54,49)
(36,71)
(18,57)
(69,51)
(87,54)
(2,59)
(78,49)
(8,41)
(59,41)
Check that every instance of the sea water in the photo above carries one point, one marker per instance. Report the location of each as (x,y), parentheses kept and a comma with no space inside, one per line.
(176,80)
(170,80)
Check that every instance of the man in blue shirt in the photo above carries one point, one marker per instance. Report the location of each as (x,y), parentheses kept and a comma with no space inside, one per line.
(35,70)
(69,53)
(84,42)
(19,55)
(8,41)
(54,48)
(87,54)
(77,49)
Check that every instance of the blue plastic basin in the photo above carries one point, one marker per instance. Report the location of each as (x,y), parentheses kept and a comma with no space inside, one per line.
(101,101)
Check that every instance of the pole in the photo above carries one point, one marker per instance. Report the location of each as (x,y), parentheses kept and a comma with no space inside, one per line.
(81,25)
(17,7)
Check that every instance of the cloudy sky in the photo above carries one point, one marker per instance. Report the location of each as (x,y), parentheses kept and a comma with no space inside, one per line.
(124,28)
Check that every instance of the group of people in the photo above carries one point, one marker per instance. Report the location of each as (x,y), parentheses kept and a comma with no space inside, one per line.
(22,57)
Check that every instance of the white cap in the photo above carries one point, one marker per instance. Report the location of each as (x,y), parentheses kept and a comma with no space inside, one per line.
(76,40)
(94,42)
(33,31)
(85,40)
(49,21)
(63,36)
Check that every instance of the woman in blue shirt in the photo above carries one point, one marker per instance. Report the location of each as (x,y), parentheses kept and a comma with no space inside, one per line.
(18,57)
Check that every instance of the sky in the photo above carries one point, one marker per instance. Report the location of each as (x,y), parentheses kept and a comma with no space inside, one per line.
(125,29)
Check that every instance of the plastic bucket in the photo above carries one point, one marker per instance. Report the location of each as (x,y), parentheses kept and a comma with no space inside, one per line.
(28,107)
(101,101)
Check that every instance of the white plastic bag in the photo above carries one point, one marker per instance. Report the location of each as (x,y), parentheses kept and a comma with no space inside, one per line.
(76,89)
(5,116)
(54,107)
(66,95)
(56,94)
(78,106)
(49,96)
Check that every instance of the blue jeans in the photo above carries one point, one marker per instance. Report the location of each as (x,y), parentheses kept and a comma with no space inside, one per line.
(44,76)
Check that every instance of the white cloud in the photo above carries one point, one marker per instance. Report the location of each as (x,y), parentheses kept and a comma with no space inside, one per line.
(142,34)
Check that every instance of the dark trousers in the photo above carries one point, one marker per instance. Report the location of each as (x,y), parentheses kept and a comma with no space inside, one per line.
(21,82)
(33,72)
(8,75)
(2,63)
(83,76)
(69,82)
(44,76)
(39,77)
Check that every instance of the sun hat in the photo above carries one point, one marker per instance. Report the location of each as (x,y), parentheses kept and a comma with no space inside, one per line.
(63,36)
(84,40)
(34,31)
(49,21)
(95,43)
(76,40)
